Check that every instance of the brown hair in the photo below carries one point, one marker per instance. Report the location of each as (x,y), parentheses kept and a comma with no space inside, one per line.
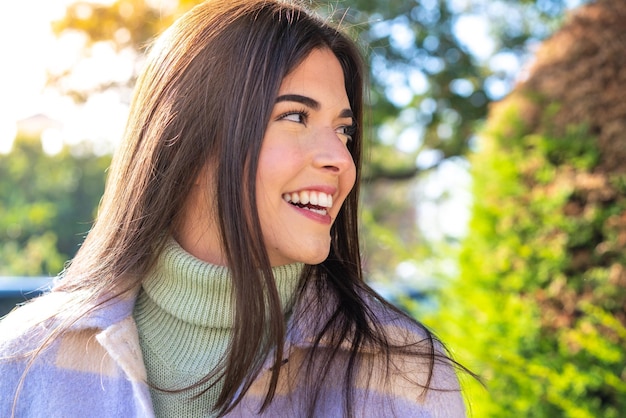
(206,95)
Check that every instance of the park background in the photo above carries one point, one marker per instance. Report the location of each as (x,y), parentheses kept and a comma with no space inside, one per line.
(494,204)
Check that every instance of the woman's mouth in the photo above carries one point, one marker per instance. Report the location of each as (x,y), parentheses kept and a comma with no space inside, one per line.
(317,202)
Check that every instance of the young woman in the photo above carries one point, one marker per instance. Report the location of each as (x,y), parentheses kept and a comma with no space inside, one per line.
(223,276)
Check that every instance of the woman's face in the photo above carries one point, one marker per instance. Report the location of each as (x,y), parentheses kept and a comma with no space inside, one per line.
(304,174)
(305,170)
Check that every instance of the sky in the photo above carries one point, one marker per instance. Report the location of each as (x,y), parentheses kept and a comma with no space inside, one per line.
(25,43)
(30,49)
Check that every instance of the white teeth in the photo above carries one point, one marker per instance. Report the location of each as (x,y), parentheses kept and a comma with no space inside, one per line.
(306,197)
(319,211)
(322,200)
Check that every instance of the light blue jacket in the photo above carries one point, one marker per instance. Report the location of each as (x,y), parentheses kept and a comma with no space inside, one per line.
(96,370)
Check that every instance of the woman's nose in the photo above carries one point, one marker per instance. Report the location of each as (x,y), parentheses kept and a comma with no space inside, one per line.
(331,153)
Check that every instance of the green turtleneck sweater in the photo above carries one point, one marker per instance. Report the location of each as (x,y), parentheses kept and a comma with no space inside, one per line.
(184,314)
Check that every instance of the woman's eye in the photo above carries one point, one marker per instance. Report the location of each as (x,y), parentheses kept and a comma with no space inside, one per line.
(298,117)
(347,131)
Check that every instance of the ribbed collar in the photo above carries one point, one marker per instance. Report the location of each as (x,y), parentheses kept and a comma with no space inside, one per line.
(200,293)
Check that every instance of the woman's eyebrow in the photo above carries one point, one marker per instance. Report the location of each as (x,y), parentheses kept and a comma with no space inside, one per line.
(346,113)
(309,102)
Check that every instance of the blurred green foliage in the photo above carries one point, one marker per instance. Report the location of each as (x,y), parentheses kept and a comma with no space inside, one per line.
(538,310)
(47,205)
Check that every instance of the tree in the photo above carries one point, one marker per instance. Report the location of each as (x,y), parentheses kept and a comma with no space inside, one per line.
(540,307)
(48,204)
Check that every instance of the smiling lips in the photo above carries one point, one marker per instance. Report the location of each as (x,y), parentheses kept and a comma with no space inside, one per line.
(317,202)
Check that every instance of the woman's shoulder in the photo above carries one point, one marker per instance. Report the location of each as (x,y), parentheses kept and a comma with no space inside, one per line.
(65,317)
(19,327)
(49,351)
(401,365)
(418,371)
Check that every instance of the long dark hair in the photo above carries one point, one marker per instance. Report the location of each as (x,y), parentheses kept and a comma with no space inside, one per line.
(205,97)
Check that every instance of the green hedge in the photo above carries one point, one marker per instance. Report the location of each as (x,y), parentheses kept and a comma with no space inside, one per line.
(538,310)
